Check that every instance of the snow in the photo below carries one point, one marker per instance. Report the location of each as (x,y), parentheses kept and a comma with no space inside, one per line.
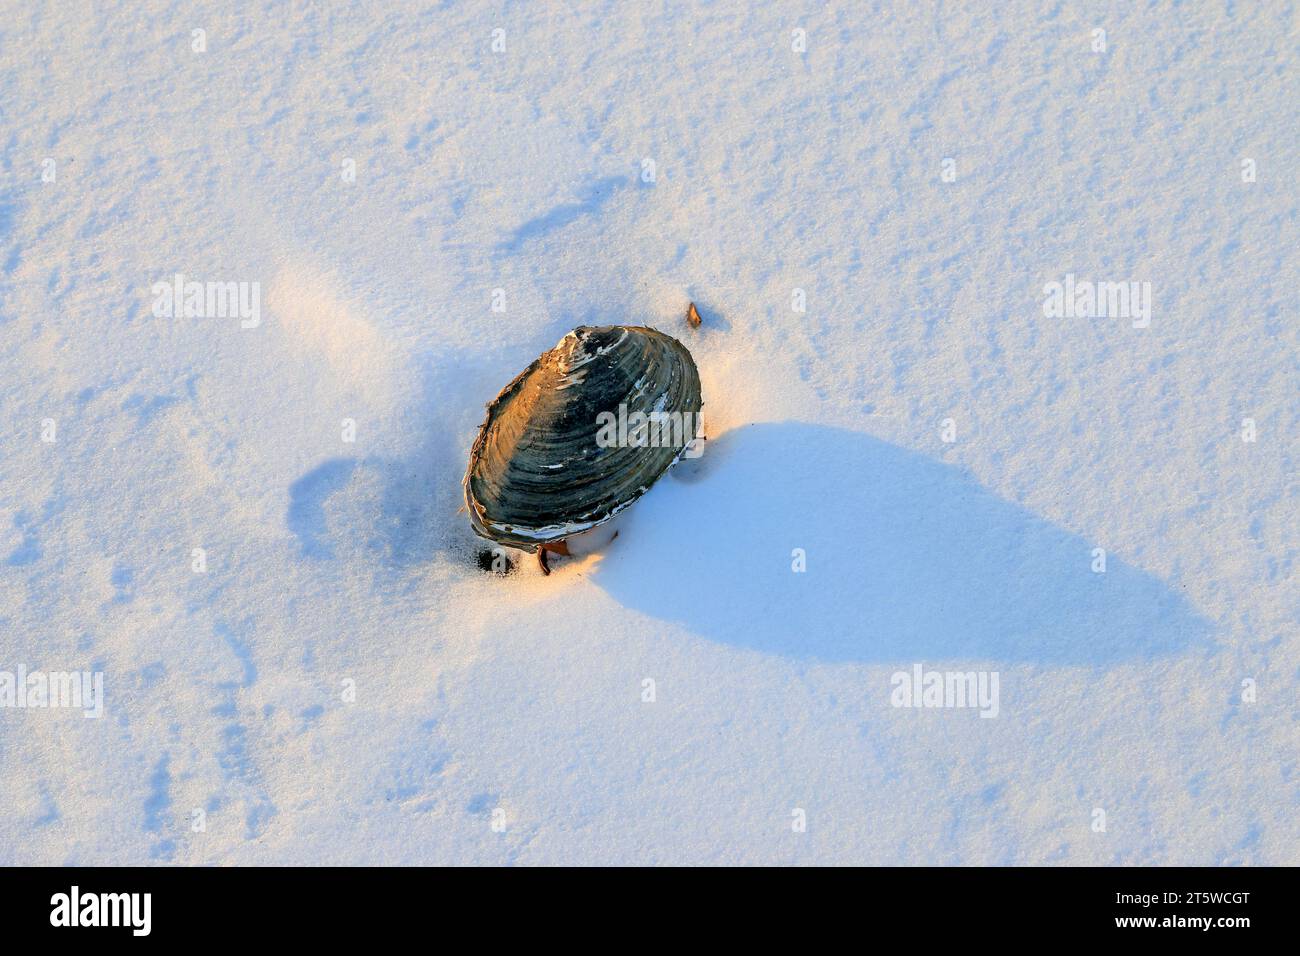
(343,684)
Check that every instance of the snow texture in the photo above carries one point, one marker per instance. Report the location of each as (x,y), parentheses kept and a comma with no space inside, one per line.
(344,684)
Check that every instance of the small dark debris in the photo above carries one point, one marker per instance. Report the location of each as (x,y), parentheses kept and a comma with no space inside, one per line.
(693,317)
(495,561)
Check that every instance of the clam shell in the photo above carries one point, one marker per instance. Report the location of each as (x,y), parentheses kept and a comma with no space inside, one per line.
(543,466)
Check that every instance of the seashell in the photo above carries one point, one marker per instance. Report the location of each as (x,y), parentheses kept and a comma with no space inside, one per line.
(580,435)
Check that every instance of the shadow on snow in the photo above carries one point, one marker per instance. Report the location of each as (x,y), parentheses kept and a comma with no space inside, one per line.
(907,559)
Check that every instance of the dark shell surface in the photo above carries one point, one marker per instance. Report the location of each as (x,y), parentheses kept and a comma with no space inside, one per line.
(543,467)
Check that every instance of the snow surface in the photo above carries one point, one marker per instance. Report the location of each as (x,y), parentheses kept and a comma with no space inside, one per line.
(774,170)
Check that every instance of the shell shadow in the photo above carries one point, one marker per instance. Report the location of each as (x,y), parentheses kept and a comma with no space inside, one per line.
(907,559)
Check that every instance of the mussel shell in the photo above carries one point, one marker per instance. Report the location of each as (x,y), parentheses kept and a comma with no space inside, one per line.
(538,472)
